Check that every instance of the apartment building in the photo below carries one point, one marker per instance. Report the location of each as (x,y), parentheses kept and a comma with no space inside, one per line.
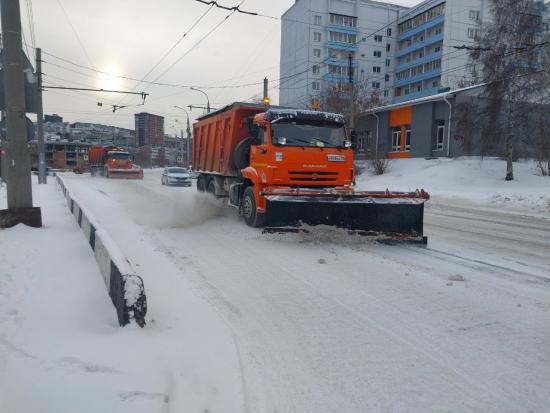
(428,58)
(404,53)
(149,129)
(323,39)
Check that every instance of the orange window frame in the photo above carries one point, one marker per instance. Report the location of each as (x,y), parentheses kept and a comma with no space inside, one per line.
(401,118)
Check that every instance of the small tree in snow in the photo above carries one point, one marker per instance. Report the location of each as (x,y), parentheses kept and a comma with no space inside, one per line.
(509,51)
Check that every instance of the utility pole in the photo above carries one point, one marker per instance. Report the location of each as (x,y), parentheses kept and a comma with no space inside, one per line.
(18,168)
(350,68)
(188,142)
(42,179)
(266,92)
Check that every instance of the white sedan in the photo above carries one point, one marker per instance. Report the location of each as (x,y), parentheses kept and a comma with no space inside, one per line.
(176,176)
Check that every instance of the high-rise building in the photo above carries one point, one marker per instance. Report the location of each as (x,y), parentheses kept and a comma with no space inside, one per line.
(323,39)
(404,53)
(149,129)
(427,56)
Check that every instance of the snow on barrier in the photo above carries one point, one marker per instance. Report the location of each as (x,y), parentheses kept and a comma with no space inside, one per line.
(124,287)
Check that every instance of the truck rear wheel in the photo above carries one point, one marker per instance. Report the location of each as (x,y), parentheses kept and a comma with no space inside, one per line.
(248,209)
(211,189)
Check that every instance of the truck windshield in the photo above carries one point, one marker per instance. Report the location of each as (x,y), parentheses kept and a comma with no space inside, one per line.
(308,134)
(119,156)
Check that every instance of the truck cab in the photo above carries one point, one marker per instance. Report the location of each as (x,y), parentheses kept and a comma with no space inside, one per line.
(298,149)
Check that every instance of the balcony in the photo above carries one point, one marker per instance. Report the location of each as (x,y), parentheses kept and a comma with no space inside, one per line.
(419,29)
(343,46)
(329,77)
(343,29)
(416,95)
(413,63)
(419,45)
(418,78)
(341,62)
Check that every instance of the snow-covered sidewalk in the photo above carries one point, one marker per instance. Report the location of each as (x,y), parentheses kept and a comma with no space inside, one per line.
(468,179)
(61,349)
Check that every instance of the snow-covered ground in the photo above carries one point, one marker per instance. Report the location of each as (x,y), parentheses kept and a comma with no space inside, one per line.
(322,322)
(468,179)
(61,349)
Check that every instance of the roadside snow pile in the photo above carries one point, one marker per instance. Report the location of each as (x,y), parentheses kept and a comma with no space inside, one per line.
(469,178)
(61,349)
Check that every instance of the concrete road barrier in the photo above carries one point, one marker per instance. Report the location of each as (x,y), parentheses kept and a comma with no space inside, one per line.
(125,288)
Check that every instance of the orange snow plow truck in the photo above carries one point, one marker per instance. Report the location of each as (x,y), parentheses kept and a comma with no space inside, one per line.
(113,162)
(284,168)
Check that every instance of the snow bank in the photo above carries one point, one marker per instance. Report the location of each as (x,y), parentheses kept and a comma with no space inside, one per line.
(125,288)
(470,178)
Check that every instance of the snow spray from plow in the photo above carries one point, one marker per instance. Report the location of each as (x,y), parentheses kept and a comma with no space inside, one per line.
(126,289)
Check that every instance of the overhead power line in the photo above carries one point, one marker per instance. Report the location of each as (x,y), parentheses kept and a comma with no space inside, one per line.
(75,33)
(234,8)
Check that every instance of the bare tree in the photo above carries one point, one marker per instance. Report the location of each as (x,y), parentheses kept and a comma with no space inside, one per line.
(509,51)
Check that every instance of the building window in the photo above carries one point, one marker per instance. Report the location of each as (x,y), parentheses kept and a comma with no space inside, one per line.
(342,37)
(377,53)
(376,85)
(387,77)
(341,20)
(435,83)
(317,37)
(440,135)
(473,33)
(316,86)
(396,139)
(474,15)
(437,49)
(317,52)
(408,134)
(338,70)
(315,69)
(388,62)
(376,69)
(388,47)
(386,93)
(388,32)
(317,20)
(378,38)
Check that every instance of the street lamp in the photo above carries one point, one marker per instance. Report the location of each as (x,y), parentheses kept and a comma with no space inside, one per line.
(207,98)
(188,149)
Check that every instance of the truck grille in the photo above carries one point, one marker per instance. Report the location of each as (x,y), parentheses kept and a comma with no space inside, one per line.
(313,176)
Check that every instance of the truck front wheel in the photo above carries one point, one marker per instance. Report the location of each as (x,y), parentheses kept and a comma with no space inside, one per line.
(248,208)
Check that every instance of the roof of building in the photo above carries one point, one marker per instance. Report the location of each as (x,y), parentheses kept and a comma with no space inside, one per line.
(427,99)
(371,2)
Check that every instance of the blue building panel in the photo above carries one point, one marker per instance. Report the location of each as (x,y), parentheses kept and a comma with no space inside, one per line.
(342,29)
(418,78)
(335,78)
(425,59)
(420,45)
(342,46)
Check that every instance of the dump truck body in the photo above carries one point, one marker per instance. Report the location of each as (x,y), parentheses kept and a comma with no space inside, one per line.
(113,162)
(284,167)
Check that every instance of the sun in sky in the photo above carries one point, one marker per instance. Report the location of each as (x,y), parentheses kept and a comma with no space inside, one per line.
(108,79)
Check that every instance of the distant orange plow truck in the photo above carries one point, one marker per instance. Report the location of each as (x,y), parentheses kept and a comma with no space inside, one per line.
(113,162)
(284,168)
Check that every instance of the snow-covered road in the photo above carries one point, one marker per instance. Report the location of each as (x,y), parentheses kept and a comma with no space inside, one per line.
(325,322)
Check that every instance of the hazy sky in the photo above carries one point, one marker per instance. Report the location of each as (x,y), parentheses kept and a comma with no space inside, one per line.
(128,37)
